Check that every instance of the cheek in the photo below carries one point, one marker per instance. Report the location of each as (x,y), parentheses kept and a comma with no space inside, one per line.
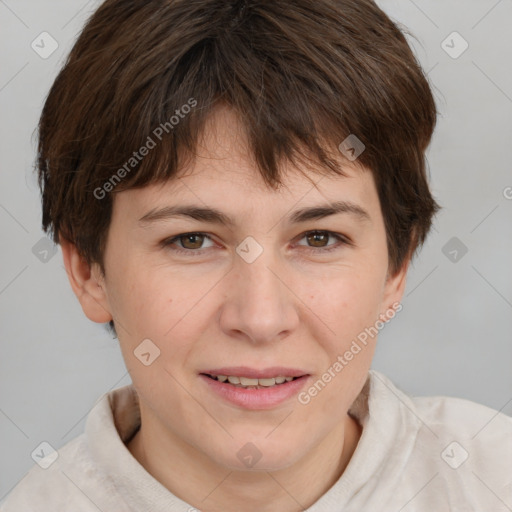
(141,305)
(165,308)
(350,307)
(349,303)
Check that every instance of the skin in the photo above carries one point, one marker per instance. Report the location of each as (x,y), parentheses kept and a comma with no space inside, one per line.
(290,307)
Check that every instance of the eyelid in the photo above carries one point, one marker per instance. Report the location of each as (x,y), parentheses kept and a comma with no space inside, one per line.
(343,240)
(168,242)
(339,236)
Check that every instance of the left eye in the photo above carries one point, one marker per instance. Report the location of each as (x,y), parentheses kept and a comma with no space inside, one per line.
(321,238)
(192,242)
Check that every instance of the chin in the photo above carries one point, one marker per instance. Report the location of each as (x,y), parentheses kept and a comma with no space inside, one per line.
(258,454)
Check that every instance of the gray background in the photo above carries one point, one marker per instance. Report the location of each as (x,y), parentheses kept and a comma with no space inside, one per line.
(453,336)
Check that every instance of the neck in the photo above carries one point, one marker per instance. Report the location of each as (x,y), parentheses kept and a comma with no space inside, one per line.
(213,488)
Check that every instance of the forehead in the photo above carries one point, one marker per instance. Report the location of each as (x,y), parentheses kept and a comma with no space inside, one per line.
(224,175)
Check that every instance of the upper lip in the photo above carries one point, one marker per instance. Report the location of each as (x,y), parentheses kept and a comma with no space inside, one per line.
(254,373)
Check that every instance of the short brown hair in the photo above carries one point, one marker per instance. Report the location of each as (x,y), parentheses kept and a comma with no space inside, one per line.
(302,75)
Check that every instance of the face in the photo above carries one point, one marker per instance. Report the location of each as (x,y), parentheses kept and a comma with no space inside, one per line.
(254,285)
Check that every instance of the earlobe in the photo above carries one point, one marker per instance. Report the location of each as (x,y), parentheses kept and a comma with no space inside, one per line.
(87,283)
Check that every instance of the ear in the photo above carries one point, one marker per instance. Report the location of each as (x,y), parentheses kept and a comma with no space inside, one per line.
(394,287)
(87,283)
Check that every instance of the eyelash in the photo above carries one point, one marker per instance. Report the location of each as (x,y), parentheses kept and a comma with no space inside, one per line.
(343,240)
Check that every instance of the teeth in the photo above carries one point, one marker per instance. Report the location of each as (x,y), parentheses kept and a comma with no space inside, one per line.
(267,382)
(248,382)
(252,383)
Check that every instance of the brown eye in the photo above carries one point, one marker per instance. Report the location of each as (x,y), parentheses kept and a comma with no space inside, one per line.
(318,238)
(188,243)
(191,241)
(318,241)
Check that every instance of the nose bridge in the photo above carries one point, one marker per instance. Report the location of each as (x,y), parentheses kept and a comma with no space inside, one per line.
(261,284)
(258,303)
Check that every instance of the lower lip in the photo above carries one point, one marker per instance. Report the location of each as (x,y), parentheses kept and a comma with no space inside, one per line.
(264,398)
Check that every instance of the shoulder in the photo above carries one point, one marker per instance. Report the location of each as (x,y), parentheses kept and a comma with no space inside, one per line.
(61,480)
(446,415)
(467,449)
(469,437)
(457,452)
(464,418)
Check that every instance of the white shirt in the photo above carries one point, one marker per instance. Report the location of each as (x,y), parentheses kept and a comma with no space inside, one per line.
(423,454)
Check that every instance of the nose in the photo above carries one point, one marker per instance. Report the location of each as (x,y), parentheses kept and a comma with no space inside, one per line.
(259,305)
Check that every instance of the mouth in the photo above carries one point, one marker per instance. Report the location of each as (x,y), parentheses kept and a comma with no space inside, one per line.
(252,383)
(255,389)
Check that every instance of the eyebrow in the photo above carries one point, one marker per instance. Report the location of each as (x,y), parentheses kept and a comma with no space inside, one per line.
(214,216)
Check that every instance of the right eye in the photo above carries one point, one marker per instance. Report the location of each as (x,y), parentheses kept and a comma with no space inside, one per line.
(187,243)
